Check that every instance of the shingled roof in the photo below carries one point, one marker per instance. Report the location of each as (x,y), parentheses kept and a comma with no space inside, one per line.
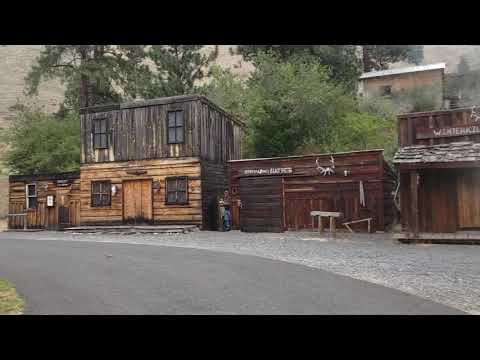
(440,153)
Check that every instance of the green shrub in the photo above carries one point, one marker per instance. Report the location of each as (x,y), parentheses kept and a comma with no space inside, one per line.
(37,142)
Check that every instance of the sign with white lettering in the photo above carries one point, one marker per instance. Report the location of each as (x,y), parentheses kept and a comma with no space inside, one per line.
(267,171)
(460,130)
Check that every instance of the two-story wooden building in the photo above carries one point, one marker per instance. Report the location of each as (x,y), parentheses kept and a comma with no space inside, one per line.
(160,161)
(439,166)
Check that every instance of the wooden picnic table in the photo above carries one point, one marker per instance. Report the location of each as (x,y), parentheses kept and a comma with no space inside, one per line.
(330,214)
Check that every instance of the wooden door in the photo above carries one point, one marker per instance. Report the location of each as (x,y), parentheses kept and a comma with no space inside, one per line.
(262,204)
(468,188)
(137,201)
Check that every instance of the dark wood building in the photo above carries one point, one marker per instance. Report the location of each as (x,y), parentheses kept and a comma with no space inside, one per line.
(439,167)
(159,161)
(44,201)
(277,194)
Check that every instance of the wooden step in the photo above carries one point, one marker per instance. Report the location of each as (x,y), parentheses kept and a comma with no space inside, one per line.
(131,229)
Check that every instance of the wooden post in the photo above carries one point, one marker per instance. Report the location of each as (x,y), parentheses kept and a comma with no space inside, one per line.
(332,225)
(320,225)
(414,179)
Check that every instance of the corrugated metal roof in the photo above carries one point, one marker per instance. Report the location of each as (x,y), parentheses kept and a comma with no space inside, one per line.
(403,70)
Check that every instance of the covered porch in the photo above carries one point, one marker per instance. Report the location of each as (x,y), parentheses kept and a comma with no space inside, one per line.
(440,193)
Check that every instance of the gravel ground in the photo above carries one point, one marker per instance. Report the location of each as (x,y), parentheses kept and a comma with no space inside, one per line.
(448,274)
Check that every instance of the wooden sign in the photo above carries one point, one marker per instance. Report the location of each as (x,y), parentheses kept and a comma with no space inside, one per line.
(267,171)
(136,172)
(459,130)
(61,183)
(50,200)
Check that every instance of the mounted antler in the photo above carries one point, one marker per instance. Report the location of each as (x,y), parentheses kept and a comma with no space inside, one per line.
(475,115)
(330,170)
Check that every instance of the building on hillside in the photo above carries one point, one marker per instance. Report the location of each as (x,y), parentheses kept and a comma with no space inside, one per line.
(278,194)
(160,161)
(398,83)
(439,167)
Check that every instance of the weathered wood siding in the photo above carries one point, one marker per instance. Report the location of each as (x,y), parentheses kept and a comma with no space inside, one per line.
(439,193)
(305,189)
(448,200)
(262,209)
(140,132)
(219,138)
(214,183)
(155,170)
(411,126)
(43,217)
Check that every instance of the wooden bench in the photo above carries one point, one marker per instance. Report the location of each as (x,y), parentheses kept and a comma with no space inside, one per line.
(369,220)
(330,214)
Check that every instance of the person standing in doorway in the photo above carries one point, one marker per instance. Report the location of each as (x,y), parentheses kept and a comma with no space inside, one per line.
(225,204)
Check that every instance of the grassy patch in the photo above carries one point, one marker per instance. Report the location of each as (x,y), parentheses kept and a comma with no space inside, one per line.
(10,302)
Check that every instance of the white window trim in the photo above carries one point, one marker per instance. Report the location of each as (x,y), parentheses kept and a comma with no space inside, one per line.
(27,197)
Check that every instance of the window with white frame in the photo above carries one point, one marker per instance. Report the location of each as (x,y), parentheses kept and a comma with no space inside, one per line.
(31,190)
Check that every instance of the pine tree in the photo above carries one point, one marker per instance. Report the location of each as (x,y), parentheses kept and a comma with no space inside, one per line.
(93,74)
(176,69)
(379,57)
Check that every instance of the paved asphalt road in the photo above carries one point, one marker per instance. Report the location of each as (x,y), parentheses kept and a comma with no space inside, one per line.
(68,277)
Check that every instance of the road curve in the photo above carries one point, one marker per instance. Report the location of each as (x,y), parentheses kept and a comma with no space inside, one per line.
(68,277)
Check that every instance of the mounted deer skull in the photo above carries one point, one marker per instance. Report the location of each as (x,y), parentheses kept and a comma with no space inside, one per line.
(475,114)
(330,170)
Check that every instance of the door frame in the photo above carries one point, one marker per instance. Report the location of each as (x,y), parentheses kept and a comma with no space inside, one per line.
(123,195)
(281,195)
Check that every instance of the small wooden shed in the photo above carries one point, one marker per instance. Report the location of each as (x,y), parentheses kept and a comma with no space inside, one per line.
(278,194)
(49,201)
(439,166)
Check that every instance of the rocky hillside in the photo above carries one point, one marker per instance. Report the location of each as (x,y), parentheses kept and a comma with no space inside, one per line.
(449,54)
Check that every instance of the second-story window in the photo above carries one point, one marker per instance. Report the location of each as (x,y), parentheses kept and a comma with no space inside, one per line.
(386,90)
(100,138)
(175,127)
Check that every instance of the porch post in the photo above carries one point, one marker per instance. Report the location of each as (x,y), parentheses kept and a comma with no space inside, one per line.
(414,179)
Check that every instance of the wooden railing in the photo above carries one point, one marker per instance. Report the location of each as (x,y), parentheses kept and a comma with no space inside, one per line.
(14,217)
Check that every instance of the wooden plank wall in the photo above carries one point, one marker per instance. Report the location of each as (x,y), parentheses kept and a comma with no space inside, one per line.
(219,137)
(305,190)
(468,190)
(262,209)
(437,201)
(214,183)
(157,171)
(409,125)
(43,217)
(140,133)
